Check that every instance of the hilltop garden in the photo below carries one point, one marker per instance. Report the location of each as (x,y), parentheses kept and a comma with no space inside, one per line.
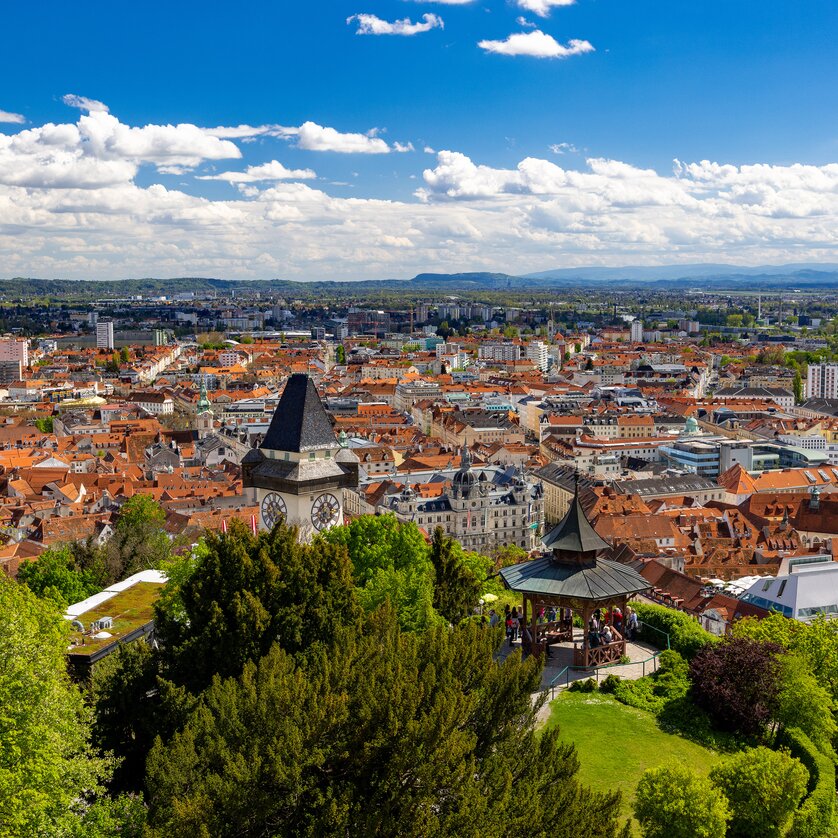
(753,714)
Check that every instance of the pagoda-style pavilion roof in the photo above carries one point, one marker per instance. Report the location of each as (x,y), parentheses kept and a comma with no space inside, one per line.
(573,570)
(605,580)
(574,533)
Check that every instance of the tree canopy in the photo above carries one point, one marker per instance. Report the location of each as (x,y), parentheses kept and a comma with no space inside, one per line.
(674,802)
(384,733)
(764,788)
(737,683)
(48,775)
(248,592)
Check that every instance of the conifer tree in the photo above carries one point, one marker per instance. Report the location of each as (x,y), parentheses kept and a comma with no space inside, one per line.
(387,733)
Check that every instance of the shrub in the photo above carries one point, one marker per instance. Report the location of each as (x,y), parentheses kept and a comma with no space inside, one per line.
(639,694)
(674,802)
(764,788)
(815,818)
(587,686)
(609,685)
(672,679)
(737,683)
(803,703)
(686,636)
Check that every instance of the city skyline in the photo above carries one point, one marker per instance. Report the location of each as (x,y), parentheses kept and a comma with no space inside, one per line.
(383,139)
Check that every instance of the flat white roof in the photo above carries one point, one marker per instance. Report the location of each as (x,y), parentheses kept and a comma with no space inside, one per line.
(74,611)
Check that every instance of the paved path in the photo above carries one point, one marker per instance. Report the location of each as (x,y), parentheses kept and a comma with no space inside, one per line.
(558,665)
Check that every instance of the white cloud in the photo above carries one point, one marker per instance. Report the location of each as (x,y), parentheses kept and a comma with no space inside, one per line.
(15,118)
(104,136)
(267,171)
(524,23)
(373,25)
(238,132)
(536,44)
(83,103)
(70,206)
(542,8)
(100,151)
(313,137)
(563,148)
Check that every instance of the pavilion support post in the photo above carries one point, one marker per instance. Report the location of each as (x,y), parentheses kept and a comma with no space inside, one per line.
(534,629)
(523,626)
(586,617)
(623,625)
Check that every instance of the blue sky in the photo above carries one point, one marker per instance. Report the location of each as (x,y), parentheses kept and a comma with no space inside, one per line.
(749,87)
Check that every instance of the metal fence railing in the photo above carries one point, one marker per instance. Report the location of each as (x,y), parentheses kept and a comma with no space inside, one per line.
(644,627)
(556,685)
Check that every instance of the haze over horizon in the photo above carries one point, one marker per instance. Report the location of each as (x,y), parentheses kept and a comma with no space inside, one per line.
(386,138)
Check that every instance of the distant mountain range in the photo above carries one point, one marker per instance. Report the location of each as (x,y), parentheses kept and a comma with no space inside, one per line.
(708,276)
(657,273)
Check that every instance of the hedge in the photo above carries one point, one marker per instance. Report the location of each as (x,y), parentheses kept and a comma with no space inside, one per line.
(815,818)
(686,636)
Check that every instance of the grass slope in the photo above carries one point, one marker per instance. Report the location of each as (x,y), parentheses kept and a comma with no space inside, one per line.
(616,744)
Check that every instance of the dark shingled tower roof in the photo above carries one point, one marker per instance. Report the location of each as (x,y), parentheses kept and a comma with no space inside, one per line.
(574,533)
(300,422)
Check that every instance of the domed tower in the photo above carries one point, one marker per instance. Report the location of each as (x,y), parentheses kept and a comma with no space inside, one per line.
(298,472)
(465,479)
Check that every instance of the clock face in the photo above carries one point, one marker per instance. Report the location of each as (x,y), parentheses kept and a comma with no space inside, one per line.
(325,512)
(273,508)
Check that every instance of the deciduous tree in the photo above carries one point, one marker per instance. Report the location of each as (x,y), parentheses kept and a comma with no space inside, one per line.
(674,802)
(48,775)
(764,788)
(737,683)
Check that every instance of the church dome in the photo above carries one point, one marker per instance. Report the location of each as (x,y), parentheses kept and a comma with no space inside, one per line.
(465,478)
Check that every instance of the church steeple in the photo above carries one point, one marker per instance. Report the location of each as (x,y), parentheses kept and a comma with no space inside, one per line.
(205,420)
(203,405)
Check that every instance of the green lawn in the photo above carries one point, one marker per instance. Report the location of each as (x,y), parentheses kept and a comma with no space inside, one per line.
(616,743)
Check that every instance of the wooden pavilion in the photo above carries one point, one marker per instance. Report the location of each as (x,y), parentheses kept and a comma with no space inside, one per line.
(573,578)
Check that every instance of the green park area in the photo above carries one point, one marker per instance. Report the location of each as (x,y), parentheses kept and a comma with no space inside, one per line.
(617,743)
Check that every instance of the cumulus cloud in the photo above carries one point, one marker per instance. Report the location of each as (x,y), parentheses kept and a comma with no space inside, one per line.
(267,171)
(83,103)
(14,118)
(563,148)
(542,8)
(100,151)
(313,137)
(70,205)
(373,25)
(536,44)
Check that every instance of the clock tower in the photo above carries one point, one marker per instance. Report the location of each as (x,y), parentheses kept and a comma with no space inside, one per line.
(299,471)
